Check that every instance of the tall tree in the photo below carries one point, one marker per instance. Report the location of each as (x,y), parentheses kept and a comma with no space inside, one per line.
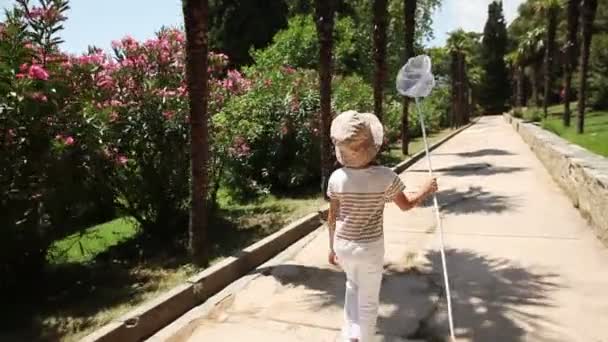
(588,9)
(495,88)
(324,19)
(196,14)
(549,9)
(409,11)
(236,26)
(380,22)
(463,46)
(571,49)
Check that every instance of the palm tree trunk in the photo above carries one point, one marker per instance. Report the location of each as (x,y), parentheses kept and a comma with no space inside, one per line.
(380,22)
(549,51)
(455,90)
(589,8)
(534,78)
(409,8)
(465,89)
(571,48)
(196,16)
(521,79)
(324,13)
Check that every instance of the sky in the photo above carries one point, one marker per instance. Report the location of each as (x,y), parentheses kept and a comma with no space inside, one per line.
(470,15)
(98,22)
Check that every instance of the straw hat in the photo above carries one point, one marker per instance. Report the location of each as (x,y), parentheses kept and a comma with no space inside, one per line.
(358,138)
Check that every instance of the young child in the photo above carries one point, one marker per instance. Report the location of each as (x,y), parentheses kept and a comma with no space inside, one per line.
(358,193)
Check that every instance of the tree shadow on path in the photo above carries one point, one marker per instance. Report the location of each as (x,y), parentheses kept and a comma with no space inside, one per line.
(492,297)
(479,153)
(473,200)
(474,169)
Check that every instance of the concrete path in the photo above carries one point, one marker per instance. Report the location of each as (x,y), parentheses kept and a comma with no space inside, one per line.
(524,265)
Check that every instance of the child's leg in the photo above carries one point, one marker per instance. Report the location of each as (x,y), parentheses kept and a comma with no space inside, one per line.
(351,305)
(369,297)
(344,251)
(369,281)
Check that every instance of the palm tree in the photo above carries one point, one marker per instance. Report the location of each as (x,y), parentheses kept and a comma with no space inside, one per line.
(532,47)
(589,7)
(462,46)
(380,22)
(571,45)
(196,17)
(550,9)
(516,60)
(409,9)
(324,19)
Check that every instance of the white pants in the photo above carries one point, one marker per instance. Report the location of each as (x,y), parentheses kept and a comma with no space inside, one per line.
(363,265)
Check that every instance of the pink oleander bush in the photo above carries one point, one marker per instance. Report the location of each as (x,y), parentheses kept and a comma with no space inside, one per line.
(83,135)
(272,132)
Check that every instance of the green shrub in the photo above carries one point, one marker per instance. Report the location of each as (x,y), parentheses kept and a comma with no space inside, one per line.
(352,93)
(517,113)
(598,82)
(298,46)
(535,115)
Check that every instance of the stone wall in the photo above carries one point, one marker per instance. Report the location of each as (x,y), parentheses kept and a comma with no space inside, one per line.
(581,174)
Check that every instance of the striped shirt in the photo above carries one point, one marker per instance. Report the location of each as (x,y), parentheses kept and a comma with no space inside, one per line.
(361,194)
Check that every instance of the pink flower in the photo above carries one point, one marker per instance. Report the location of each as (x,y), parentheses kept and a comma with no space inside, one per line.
(105,82)
(38,96)
(116,44)
(288,70)
(182,90)
(239,148)
(168,114)
(284,129)
(113,116)
(38,72)
(20,76)
(116,103)
(69,141)
(122,160)
(166,93)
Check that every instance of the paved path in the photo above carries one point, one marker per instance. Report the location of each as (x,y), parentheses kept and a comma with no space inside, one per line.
(524,264)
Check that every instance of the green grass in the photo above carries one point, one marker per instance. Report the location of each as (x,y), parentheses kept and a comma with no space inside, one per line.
(595,137)
(108,269)
(83,247)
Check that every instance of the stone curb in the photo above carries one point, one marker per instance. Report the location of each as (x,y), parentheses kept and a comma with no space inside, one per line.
(152,316)
(581,174)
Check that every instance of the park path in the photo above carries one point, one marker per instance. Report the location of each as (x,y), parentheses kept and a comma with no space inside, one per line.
(524,265)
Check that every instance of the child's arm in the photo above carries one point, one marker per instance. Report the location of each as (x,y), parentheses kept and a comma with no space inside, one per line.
(404,203)
(331,223)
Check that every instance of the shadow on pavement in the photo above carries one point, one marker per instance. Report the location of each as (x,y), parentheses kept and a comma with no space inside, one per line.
(479,153)
(490,296)
(473,169)
(473,200)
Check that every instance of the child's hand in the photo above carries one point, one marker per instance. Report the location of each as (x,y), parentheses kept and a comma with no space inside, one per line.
(431,186)
(332,258)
